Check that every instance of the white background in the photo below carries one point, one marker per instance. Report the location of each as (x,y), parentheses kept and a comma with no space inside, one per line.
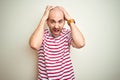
(98,20)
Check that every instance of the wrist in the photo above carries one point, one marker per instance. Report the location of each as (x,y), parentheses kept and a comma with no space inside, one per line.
(44,18)
(70,21)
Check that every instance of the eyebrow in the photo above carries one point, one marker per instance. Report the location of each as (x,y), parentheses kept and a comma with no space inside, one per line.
(55,21)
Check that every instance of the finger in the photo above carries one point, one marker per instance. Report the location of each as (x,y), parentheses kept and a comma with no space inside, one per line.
(60,7)
(50,7)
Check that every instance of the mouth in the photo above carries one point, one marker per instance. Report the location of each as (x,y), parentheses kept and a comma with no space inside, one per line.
(56,30)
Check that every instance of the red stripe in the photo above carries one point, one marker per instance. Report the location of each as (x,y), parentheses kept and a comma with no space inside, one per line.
(58,60)
(61,39)
(54,57)
(56,67)
(54,43)
(56,70)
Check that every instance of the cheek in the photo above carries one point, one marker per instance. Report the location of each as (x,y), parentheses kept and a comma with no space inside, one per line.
(62,25)
(50,25)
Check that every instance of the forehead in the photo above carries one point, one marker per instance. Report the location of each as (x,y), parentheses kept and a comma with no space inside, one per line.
(56,14)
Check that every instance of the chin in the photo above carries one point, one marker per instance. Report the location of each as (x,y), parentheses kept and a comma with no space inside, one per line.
(56,35)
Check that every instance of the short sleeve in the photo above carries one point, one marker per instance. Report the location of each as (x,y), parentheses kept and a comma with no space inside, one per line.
(69,37)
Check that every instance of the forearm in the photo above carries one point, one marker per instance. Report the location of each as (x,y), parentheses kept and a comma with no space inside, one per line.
(77,36)
(37,36)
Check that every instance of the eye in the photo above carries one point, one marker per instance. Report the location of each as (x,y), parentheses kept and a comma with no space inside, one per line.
(60,21)
(52,21)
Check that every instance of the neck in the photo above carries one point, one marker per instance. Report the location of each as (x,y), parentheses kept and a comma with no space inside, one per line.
(55,36)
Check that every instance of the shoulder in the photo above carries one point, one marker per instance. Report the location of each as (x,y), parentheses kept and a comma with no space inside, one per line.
(46,30)
(66,31)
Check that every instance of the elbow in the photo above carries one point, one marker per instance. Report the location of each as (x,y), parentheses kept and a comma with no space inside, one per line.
(81,45)
(33,46)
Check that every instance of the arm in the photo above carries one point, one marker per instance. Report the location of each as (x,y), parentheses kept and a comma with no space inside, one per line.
(78,40)
(37,36)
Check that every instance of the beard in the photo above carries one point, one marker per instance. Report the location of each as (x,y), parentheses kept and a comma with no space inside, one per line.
(55,32)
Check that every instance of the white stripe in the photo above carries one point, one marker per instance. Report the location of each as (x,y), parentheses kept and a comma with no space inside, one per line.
(61,51)
(61,74)
(59,59)
(55,55)
(58,67)
(55,45)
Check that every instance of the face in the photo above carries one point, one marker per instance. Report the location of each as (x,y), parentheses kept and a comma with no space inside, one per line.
(56,22)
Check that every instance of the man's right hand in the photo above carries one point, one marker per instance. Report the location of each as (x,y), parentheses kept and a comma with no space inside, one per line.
(46,13)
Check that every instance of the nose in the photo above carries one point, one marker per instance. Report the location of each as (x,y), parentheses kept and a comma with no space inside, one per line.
(56,25)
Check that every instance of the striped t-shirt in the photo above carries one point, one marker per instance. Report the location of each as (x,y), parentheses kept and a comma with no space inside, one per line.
(54,61)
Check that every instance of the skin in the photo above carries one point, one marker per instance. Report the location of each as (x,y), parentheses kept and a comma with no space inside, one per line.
(55,18)
(56,21)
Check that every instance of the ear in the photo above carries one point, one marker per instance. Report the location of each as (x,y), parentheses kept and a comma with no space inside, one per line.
(47,21)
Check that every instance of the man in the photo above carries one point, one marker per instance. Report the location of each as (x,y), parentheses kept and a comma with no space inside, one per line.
(53,44)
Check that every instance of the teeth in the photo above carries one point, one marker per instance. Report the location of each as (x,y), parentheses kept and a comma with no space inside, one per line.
(56,30)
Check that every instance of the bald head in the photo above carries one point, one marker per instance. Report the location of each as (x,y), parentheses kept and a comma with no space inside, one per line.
(55,13)
(56,21)
(56,9)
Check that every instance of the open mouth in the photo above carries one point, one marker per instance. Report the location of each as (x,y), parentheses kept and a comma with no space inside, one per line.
(56,30)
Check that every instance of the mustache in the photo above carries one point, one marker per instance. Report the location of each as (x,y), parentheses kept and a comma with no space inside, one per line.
(56,28)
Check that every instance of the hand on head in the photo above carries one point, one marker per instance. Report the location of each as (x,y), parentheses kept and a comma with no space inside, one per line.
(67,16)
(48,8)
